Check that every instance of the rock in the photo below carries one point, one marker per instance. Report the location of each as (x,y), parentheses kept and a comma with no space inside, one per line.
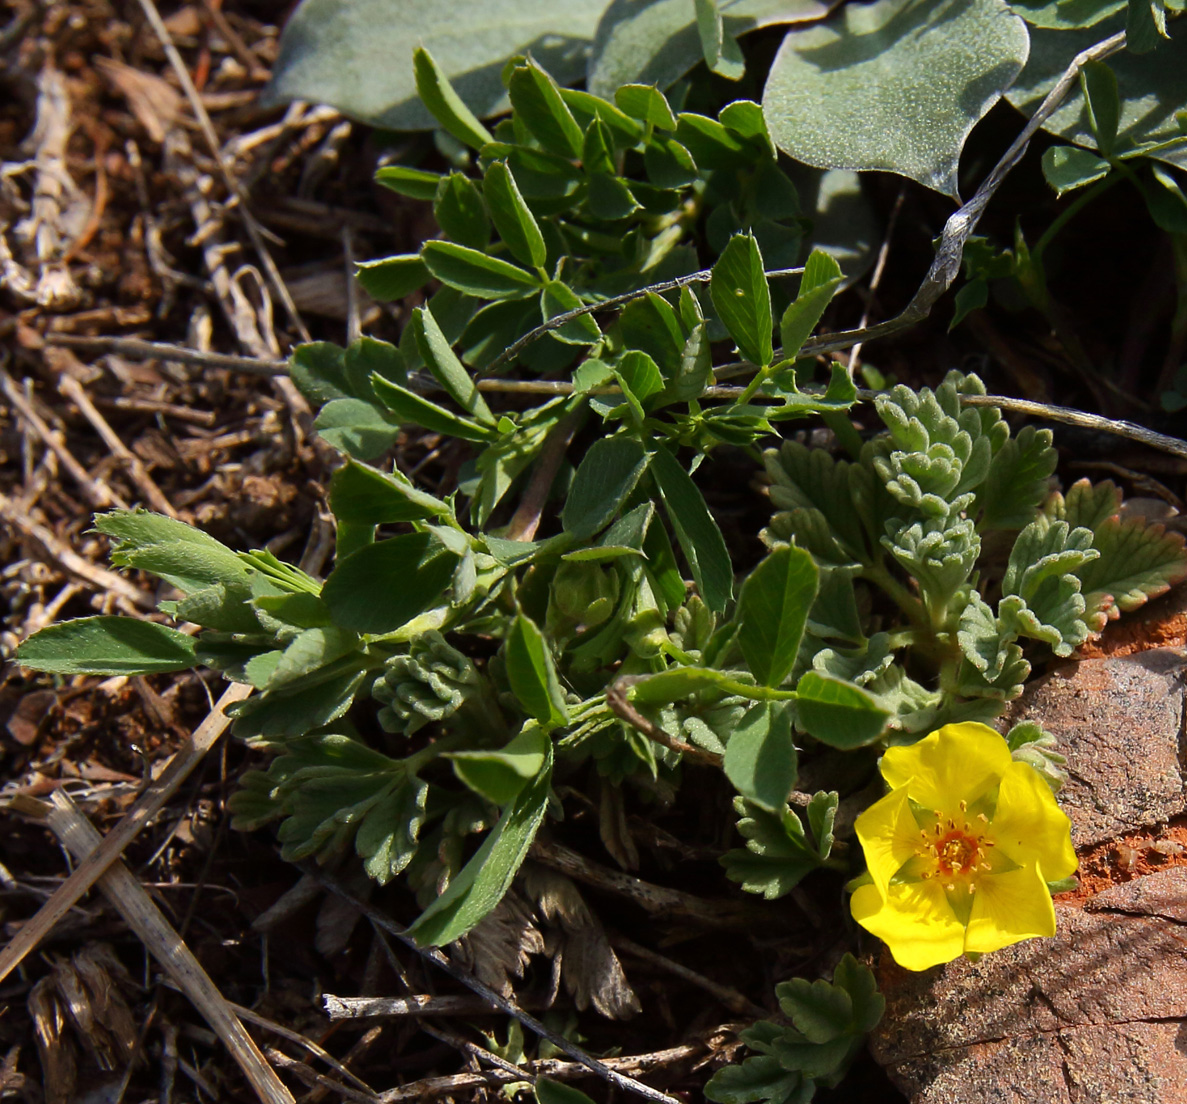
(1096,1014)
(1119,721)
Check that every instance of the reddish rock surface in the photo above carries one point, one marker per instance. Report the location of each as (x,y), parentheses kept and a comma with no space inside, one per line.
(1119,721)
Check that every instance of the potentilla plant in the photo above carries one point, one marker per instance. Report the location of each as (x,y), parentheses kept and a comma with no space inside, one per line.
(414,703)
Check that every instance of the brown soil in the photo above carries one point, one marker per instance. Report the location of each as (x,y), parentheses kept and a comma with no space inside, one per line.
(1121,860)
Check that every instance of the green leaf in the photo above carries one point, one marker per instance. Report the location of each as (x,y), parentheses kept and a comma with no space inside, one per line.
(357,427)
(837,713)
(639,374)
(180,554)
(643,101)
(559,298)
(772,611)
(777,855)
(894,85)
(1150,88)
(605,478)
(318,368)
(366,496)
(385,585)
(740,293)
(696,532)
(972,296)
(658,42)
(720,49)
(820,1011)
(1098,83)
(1065,14)
(357,55)
(107,646)
(858,981)
(556,1092)
(474,273)
(532,674)
(300,706)
(446,367)
(1068,167)
(822,277)
(408,406)
(539,106)
(482,882)
(515,223)
(446,106)
(391,278)
(1138,561)
(331,788)
(407,181)
(1018,480)
(760,757)
(1166,202)
(759,1079)
(1145,24)
(460,212)
(499,776)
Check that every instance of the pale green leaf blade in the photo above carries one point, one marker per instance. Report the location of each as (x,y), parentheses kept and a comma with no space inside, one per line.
(822,277)
(450,372)
(1151,87)
(500,775)
(894,85)
(657,43)
(357,54)
(473,272)
(391,278)
(385,585)
(107,646)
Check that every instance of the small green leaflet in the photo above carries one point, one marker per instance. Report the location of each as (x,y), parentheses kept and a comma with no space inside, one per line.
(532,674)
(107,646)
(740,293)
(772,611)
(697,533)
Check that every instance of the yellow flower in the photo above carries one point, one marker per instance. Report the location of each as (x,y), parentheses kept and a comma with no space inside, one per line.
(961,849)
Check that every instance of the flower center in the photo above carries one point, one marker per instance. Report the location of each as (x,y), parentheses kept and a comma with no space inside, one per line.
(957,852)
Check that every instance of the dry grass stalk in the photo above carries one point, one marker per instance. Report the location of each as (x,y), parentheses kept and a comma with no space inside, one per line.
(91,869)
(129,898)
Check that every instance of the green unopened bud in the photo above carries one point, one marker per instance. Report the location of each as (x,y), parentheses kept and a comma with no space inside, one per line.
(583,593)
(430,683)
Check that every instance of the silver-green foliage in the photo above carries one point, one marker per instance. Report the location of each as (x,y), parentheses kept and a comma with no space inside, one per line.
(914,515)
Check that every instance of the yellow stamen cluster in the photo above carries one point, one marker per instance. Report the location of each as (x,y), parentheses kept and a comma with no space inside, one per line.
(957,848)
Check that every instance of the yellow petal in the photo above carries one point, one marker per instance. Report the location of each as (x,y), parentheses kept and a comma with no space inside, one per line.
(1008,908)
(889,836)
(956,762)
(915,921)
(1029,826)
